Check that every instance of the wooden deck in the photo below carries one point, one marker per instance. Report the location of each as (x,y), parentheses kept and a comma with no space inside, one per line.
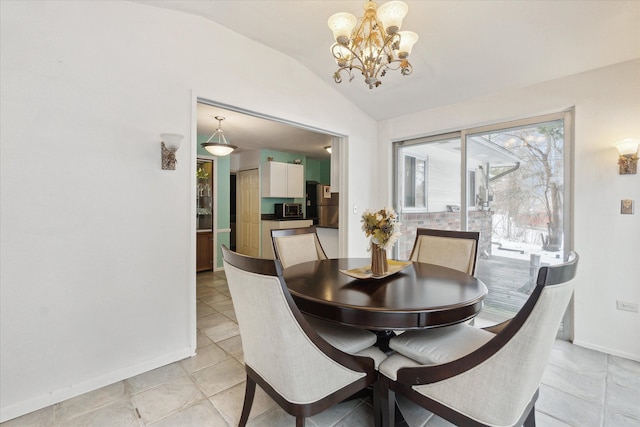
(509,282)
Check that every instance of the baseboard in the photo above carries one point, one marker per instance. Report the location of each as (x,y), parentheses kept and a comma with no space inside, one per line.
(27,406)
(607,350)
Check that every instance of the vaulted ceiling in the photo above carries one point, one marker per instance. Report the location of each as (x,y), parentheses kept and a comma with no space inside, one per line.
(466,48)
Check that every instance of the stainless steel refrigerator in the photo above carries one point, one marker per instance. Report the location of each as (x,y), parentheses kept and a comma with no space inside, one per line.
(328,206)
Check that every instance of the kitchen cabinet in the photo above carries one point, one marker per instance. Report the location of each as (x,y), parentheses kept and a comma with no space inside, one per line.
(204,251)
(282,180)
(267,226)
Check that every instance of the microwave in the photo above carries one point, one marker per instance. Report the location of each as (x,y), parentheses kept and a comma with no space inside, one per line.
(288,210)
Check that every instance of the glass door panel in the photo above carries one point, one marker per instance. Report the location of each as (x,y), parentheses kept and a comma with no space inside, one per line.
(429,188)
(515,192)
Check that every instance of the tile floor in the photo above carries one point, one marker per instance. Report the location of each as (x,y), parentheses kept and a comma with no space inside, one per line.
(581,387)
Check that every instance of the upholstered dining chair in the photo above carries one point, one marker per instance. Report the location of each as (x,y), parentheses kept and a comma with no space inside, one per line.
(476,377)
(301,371)
(452,249)
(296,245)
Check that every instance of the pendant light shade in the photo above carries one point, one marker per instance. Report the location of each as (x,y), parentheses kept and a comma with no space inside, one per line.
(217,144)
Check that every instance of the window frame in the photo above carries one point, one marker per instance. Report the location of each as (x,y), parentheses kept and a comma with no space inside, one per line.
(568,118)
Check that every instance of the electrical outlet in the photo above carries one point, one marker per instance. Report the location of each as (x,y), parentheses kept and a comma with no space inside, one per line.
(627,306)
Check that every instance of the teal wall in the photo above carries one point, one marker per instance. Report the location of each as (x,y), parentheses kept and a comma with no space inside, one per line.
(318,170)
(223,188)
(325,172)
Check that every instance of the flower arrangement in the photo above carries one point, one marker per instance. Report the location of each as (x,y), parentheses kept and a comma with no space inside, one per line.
(381,226)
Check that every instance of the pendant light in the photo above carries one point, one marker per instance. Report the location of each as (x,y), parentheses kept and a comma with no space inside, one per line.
(217,144)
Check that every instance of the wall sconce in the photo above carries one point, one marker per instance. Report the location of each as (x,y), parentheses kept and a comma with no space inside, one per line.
(170,144)
(628,161)
(328,148)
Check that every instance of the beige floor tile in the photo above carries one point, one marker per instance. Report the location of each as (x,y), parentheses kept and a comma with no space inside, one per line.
(333,415)
(232,345)
(120,413)
(277,417)
(214,319)
(41,418)
(90,401)
(219,377)
(203,309)
(165,399)
(155,377)
(205,357)
(231,314)
(222,305)
(222,331)
(202,340)
(229,403)
(210,299)
(202,414)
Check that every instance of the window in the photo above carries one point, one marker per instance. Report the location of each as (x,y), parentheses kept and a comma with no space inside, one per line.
(415,182)
(471,179)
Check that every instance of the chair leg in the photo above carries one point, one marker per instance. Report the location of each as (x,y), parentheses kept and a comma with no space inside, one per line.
(299,421)
(530,421)
(377,409)
(386,412)
(249,393)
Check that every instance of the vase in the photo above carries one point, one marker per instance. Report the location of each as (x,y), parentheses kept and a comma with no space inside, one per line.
(379,264)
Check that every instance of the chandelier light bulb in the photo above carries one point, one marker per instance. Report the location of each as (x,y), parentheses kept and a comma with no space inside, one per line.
(391,15)
(407,40)
(342,25)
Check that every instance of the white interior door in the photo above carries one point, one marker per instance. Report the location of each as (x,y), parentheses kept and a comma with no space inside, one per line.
(248,213)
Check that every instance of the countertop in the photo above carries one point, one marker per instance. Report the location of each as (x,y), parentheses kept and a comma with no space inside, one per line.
(271,217)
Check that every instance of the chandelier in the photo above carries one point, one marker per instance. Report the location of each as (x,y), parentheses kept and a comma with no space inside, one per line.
(375,46)
(217,144)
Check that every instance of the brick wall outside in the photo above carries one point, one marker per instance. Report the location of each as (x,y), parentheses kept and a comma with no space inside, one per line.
(478,221)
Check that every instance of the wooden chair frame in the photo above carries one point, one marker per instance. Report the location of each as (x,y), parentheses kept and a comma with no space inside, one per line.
(352,362)
(471,235)
(408,377)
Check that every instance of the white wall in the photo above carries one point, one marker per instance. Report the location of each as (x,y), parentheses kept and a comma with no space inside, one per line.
(97,246)
(607,109)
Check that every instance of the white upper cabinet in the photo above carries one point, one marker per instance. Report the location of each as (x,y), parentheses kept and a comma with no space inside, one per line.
(282,180)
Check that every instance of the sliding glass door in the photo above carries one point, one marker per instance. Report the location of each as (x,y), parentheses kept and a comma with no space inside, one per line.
(515,181)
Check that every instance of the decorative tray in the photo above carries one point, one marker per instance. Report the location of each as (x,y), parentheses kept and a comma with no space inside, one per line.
(366,273)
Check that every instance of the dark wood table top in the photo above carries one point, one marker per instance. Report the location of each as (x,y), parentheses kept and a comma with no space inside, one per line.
(420,296)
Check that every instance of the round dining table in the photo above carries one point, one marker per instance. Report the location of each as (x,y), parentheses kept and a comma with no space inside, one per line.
(419,296)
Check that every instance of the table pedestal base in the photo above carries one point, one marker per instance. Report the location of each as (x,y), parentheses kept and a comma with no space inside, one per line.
(383,340)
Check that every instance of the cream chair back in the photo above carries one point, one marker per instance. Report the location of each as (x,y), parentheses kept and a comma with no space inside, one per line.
(453,249)
(297,245)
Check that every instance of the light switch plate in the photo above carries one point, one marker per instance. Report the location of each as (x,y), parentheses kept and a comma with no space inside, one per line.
(626,207)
